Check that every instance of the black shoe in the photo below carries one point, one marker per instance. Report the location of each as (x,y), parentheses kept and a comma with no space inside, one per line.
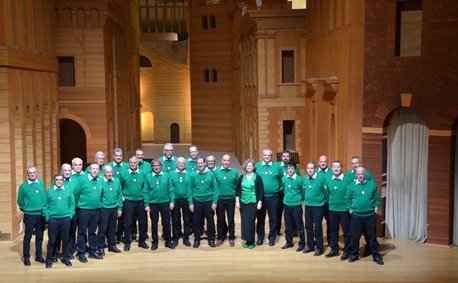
(211,244)
(82,258)
(271,243)
(286,246)
(143,245)
(300,248)
(54,259)
(169,245)
(72,257)
(318,252)
(39,259)
(175,243)
(219,243)
(114,249)
(101,252)
(133,236)
(27,261)
(127,247)
(378,260)
(186,243)
(196,244)
(345,256)
(154,246)
(95,256)
(48,263)
(332,254)
(308,250)
(353,258)
(67,262)
(259,243)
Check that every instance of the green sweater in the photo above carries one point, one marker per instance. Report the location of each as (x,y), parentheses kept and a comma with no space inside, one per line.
(59,203)
(271,175)
(112,194)
(180,182)
(350,176)
(158,189)
(145,167)
(202,187)
(89,194)
(326,173)
(362,198)
(168,165)
(315,190)
(79,176)
(227,181)
(284,169)
(88,169)
(118,168)
(132,184)
(294,194)
(31,197)
(337,188)
(191,165)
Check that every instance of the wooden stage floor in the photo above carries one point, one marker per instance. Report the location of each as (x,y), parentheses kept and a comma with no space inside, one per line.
(405,261)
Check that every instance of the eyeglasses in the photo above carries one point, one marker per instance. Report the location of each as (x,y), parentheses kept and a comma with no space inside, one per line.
(59,180)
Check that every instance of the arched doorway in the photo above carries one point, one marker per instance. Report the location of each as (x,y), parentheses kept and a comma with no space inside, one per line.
(175,133)
(407,175)
(72,141)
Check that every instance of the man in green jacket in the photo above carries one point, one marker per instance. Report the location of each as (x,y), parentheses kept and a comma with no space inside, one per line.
(271,175)
(58,212)
(30,199)
(203,200)
(316,193)
(110,211)
(362,201)
(88,198)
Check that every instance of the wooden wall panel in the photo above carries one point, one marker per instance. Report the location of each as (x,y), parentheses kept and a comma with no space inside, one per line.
(211,48)
(440,190)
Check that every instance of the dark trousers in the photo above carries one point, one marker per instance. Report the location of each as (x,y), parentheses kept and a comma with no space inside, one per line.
(225,207)
(314,226)
(33,223)
(342,218)
(129,209)
(58,227)
(203,210)
(270,206)
(281,196)
(294,221)
(181,206)
(72,235)
(328,222)
(107,227)
(88,220)
(164,209)
(360,224)
(120,228)
(248,213)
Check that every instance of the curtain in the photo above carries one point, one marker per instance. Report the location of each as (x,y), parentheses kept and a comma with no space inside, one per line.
(455,223)
(407,176)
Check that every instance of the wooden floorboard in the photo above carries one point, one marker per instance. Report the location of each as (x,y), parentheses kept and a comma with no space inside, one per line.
(405,261)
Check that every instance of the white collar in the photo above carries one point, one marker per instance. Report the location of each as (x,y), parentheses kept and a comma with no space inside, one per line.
(341,176)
